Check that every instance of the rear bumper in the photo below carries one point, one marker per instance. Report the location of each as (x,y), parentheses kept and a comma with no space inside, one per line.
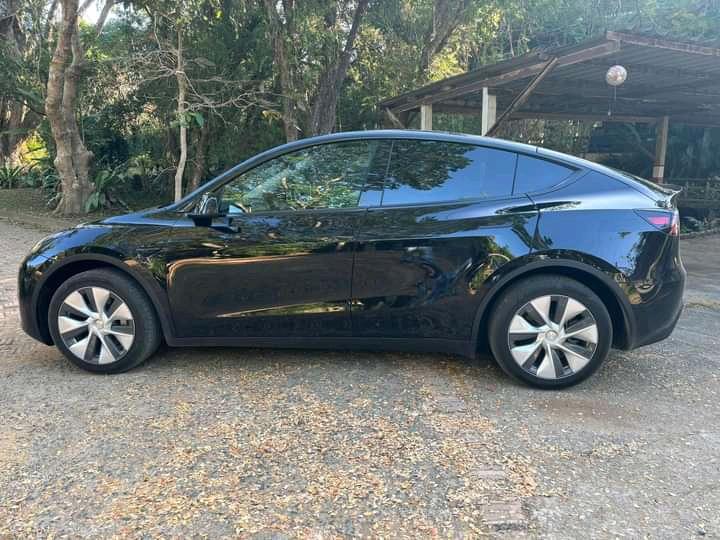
(656,318)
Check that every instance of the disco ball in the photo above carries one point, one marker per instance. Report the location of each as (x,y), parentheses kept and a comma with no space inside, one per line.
(616,75)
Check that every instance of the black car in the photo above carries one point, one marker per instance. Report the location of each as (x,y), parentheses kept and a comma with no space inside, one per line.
(382,240)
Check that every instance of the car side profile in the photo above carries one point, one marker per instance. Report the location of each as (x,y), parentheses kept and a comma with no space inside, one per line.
(393,240)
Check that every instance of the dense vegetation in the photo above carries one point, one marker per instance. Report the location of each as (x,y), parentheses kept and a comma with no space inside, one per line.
(155,96)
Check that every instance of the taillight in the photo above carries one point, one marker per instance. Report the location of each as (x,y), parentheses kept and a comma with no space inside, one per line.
(665,221)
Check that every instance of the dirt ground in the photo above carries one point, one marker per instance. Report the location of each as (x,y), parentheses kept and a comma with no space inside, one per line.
(322,444)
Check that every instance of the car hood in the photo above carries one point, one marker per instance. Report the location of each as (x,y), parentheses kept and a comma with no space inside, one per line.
(150,216)
(112,233)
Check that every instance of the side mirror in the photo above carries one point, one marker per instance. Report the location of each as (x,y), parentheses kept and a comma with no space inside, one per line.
(206,211)
(203,220)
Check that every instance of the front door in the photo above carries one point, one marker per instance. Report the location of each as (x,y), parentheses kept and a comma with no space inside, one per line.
(281,264)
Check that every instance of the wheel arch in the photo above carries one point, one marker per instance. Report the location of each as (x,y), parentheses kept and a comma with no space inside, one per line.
(598,281)
(76,264)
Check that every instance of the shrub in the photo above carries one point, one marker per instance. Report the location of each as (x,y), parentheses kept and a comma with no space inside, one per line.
(107,182)
(12,176)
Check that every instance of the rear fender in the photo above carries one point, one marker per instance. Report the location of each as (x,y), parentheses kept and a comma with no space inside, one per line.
(559,261)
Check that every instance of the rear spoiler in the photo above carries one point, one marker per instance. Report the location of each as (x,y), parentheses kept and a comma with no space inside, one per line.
(664,195)
(672,194)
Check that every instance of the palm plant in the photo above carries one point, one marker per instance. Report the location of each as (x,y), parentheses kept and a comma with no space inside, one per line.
(11,176)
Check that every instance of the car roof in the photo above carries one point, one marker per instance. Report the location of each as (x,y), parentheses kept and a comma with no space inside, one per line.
(490,142)
(445,136)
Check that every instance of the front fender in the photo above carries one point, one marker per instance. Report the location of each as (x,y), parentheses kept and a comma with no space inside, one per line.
(60,256)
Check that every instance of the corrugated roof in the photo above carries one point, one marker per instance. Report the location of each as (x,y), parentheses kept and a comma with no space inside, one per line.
(664,78)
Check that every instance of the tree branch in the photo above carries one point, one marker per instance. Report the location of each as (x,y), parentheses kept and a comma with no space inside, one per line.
(84,6)
(447,16)
(103,16)
(344,63)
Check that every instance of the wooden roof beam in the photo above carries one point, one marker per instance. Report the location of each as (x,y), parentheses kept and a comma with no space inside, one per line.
(523,96)
(571,102)
(654,69)
(659,43)
(705,121)
(582,95)
(631,91)
(602,109)
(670,88)
(522,115)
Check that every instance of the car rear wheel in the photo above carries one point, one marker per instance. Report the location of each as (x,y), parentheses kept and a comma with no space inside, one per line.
(102,321)
(550,331)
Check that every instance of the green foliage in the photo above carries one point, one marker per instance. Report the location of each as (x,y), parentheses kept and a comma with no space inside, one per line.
(128,115)
(50,186)
(23,176)
(42,174)
(12,176)
(106,182)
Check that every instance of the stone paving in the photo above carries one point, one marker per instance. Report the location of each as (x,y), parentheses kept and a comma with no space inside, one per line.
(702,260)
(323,444)
(15,241)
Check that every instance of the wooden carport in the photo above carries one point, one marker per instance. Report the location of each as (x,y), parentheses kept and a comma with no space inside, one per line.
(667,81)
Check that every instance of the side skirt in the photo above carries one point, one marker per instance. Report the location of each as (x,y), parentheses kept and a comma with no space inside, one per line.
(460,347)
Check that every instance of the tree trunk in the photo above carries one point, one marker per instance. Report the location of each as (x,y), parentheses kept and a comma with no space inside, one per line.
(72,159)
(447,15)
(324,109)
(200,156)
(181,113)
(277,34)
(12,116)
(16,119)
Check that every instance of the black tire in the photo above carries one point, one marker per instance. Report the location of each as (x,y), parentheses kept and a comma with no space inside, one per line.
(518,295)
(146,326)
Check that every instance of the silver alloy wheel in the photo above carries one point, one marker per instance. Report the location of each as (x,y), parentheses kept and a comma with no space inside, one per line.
(96,325)
(552,337)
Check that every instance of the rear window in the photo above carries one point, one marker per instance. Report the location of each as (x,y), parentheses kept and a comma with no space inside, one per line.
(535,174)
(431,171)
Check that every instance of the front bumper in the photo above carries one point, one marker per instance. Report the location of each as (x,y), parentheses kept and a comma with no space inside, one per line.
(29,278)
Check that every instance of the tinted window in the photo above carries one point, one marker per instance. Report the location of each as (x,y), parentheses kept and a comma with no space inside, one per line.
(429,171)
(372,193)
(538,174)
(324,176)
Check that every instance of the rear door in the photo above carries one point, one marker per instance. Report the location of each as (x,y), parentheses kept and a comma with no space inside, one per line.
(447,220)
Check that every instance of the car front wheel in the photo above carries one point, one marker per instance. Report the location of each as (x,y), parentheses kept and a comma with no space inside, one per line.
(102,321)
(550,331)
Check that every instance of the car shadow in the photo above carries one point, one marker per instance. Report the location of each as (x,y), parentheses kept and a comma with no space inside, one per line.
(620,368)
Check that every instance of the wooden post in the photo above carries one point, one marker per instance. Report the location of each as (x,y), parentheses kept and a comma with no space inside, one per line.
(489,110)
(426,117)
(661,140)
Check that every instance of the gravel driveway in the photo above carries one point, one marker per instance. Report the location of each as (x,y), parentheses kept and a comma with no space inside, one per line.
(276,444)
